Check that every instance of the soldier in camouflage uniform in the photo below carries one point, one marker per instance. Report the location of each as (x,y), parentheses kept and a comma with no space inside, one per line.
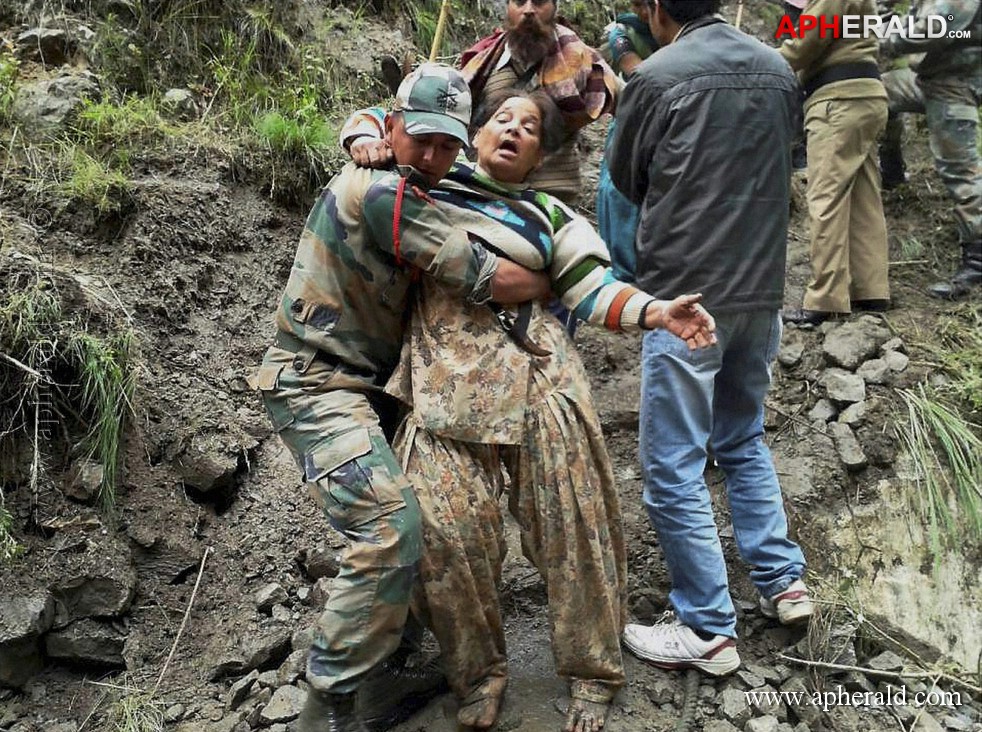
(946,85)
(339,332)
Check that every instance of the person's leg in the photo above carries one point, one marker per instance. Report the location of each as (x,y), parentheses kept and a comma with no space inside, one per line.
(756,505)
(903,95)
(458,486)
(869,258)
(564,498)
(836,151)
(952,116)
(676,418)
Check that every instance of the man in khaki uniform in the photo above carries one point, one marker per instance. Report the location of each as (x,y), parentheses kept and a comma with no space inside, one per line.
(845,112)
(339,333)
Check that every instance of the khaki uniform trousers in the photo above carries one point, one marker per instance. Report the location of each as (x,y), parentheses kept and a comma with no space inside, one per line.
(849,254)
(563,496)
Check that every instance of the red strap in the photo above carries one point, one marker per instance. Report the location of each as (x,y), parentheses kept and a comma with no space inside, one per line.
(396,216)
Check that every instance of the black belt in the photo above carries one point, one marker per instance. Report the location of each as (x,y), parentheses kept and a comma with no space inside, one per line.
(858,70)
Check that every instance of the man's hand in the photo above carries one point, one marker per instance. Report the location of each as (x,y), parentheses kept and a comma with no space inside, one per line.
(367,152)
(512,283)
(685,318)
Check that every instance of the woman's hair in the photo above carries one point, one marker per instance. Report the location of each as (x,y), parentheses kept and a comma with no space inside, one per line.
(553,132)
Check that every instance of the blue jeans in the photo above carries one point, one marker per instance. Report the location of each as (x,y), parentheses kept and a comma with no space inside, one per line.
(617,220)
(715,397)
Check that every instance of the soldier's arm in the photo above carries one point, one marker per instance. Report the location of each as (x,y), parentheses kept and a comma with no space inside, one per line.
(420,235)
(961,14)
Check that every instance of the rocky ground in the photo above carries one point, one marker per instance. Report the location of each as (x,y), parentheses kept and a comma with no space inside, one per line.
(192,605)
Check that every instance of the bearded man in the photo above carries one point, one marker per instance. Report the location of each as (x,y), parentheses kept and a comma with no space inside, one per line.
(534,51)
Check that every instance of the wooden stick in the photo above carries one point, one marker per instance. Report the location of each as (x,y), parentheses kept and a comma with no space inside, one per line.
(184,622)
(739,18)
(888,674)
(441,25)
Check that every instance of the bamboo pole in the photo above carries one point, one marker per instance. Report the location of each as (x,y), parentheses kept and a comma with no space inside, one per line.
(739,18)
(441,25)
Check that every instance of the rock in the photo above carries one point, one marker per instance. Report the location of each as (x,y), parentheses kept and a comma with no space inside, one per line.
(270,595)
(303,594)
(926,723)
(855,681)
(749,679)
(163,558)
(105,592)
(43,107)
(854,342)
(84,481)
(241,690)
(854,414)
(805,710)
(770,674)
(848,448)
(293,668)
(886,661)
(174,713)
(322,562)
(23,620)
(733,706)
(180,103)
(260,651)
(766,723)
(719,725)
(874,371)
(50,46)
(207,470)
(267,680)
(842,386)
(896,361)
(87,642)
(894,344)
(766,701)
(259,702)
(285,705)
(823,411)
(282,614)
(320,592)
(661,689)
(791,352)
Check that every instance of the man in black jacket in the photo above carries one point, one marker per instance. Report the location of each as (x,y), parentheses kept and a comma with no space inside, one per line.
(703,144)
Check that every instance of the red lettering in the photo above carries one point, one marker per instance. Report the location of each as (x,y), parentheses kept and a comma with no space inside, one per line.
(785,27)
(806,23)
(825,25)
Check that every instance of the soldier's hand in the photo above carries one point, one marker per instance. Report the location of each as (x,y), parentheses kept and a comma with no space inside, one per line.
(513,284)
(367,152)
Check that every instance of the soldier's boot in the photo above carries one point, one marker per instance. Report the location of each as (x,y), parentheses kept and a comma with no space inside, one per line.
(893,169)
(325,712)
(394,691)
(966,278)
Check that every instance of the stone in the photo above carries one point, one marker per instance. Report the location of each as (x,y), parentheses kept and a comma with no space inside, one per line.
(174,713)
(180,103)
(843,387)
(84,481)
(270,595)
(733,706)
(855,681)
(719,725)
(896,361)
(87,642)
(804,711)
(854,414)
(766,723)
(50,46)
(823,411)
(267,680)
(322,562)
(260,651)
(749,679)
(886,661)
(926,723)
(874,371)
(285,706)
(43,107)
(894,344)
(847,447)
(23,620)
(100,592)
(854,342)
(282,614)
(293,668)
(164,558)
(766,701)
(790,353)
(661,690)
(207,469)
(320,592)
(770,674)
(241,690)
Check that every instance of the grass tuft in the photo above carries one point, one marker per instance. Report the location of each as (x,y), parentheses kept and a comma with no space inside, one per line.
(133,710)
(94,182)
(947,456)
(10,549)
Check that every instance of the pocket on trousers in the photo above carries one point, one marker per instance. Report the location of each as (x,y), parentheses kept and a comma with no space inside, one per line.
(340,476)
(267,381)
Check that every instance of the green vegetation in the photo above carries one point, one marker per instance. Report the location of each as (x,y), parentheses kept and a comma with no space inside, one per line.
(133,710)
(8,78)
(66,370)
(946,452)
(92,182)
(9,548)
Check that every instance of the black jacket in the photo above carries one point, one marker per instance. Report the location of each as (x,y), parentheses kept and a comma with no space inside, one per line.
(704,132)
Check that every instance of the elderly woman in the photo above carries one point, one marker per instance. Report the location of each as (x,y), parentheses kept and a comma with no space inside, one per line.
(492,414)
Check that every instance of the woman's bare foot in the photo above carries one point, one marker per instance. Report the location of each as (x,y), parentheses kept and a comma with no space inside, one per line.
(588,705)
(479,709)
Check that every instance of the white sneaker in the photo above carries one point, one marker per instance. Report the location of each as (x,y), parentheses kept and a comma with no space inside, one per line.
(790,606)
(675,645)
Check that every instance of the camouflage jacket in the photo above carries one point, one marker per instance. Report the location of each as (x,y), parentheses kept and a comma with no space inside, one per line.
(945,56)
(346,298)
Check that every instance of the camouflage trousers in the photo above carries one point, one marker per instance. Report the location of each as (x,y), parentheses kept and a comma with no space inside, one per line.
(563,496)
(352,473)
(951,106)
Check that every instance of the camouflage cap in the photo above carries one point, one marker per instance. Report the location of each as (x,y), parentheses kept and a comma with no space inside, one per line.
(435,99)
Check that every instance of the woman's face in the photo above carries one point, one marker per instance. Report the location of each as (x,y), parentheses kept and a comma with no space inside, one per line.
(509,145)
